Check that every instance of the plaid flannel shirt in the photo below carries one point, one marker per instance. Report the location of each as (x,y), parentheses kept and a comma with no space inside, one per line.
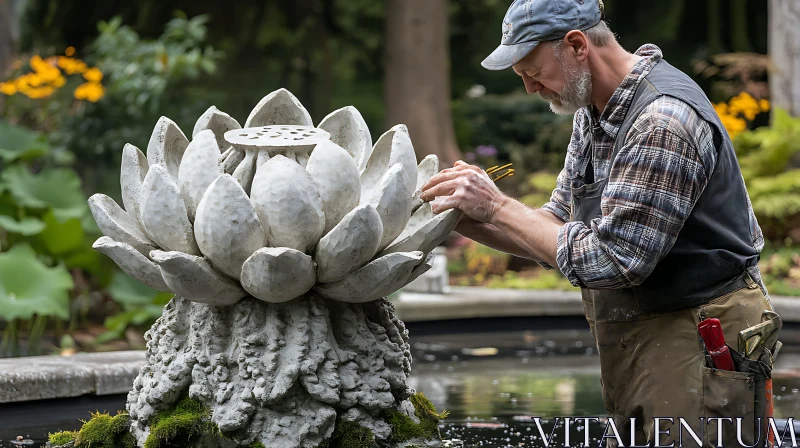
(656,179)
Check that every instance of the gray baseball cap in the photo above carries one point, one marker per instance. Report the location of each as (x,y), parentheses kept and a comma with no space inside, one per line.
(529,22)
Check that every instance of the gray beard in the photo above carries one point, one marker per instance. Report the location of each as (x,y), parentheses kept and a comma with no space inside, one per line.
(577,91)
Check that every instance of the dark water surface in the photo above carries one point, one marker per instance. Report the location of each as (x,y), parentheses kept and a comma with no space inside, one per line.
(491,382)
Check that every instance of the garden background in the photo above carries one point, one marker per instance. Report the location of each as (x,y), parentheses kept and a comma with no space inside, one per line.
(80,79)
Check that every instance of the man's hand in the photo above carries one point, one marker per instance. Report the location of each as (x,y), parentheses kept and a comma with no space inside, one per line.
(467,188)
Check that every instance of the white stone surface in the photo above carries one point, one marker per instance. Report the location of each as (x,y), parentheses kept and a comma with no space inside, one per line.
(278,274)
(425,230)
(227,228)
(190,276)
(132,262)
(134,169)
(335,175)
(166,146)
(279,107)
(164,213)
(377,279)
(114,222)
(217,122)
(349,245)
(392,200)
(434,281)
(288,204)
(425,170)
(200,166)
(349,130)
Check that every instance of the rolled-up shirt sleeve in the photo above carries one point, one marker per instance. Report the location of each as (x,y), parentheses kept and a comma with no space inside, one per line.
(655,181)
(561,197)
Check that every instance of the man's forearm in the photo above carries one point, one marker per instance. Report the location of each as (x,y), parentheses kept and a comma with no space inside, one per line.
(534,231)
(489,235)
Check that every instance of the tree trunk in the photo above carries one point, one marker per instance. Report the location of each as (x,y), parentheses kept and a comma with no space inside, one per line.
(784,51)
(417,80)
(8,35)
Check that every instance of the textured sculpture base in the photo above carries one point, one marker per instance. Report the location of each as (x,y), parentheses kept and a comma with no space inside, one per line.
(277,374)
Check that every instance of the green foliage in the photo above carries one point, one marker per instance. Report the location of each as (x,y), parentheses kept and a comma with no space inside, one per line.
(521,127)
(62,437)
(770,158)
(770,149)
(182,425)
(28,287)
(19,143)
(537,188)
(104,431)
(545,279)
(141,305)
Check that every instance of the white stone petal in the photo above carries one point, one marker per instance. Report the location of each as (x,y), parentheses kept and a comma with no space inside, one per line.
(335,174)
(421,268)
(192,278)
(392,200)
(349,130)
(227,228)
(425,230)
(164,214)
(287,204)
(279,107)
(166,146)
(117,224)
(243,174)
(425,170)
(132,262)
(278,274)
(199,167)
(349,245)
(377,279)
(134,169)
(392,147)
(217,122)
(232,160)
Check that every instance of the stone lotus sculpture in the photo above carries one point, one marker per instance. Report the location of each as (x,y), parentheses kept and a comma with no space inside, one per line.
(280,241)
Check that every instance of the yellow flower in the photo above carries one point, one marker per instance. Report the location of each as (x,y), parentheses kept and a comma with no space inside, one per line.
(721,108)
(40,92)
(59,82)
(71,66)
(763,104)
(90,91)
(8,88)
(93,75)
(70,51)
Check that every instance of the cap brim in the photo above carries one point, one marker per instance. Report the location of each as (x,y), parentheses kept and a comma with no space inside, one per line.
(505,56)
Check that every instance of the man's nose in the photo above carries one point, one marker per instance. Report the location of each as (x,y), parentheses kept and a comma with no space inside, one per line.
(532,86)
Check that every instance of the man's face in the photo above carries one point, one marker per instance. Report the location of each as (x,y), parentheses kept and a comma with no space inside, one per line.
(560,80)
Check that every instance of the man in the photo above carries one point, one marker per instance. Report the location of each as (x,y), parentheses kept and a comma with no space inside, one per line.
(650,217)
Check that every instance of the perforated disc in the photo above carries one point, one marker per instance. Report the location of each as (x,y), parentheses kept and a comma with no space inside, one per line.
(277,136)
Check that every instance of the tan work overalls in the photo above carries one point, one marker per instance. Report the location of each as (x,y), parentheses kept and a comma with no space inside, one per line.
(653,363)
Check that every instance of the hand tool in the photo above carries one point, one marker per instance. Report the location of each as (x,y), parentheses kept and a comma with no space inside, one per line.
(711,332)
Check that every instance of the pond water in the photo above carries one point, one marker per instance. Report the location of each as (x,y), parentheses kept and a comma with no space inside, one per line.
(492,383)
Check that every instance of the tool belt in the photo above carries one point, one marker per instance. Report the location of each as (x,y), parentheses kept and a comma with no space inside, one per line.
(755,356)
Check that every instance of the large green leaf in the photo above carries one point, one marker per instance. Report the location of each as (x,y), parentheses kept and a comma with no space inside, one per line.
(26,226)
(61,238)
(28,287)
(20,143)
(59,188)
(132,293)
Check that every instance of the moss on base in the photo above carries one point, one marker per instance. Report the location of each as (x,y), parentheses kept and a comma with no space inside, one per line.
(349,434)
(62,438)
(405,429)
(101,431)
(184,425)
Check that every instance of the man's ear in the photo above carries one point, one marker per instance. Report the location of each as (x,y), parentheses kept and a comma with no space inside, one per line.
(577,42)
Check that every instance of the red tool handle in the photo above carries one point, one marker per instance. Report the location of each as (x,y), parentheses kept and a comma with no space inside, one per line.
(711,332)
